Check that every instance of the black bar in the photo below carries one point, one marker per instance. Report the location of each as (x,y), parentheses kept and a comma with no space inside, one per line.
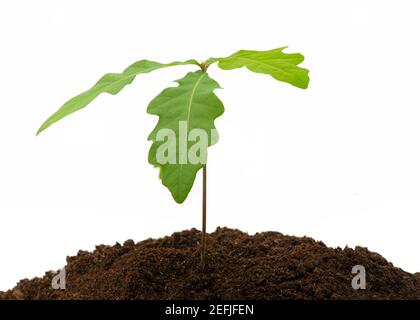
(210,309)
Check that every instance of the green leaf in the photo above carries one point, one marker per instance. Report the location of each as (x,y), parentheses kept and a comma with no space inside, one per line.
(111,83)
(194,105)
(281,66)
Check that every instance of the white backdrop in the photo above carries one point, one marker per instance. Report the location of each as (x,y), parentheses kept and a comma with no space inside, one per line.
(346,162)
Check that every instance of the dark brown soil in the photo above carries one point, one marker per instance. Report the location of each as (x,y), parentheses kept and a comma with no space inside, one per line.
(268,265)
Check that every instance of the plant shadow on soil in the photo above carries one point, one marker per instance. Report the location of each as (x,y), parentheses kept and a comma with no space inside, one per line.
(268,265)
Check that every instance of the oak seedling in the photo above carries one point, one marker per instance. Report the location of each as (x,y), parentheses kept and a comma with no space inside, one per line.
(185,128)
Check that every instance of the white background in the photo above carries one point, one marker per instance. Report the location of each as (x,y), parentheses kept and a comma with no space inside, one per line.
(339,162)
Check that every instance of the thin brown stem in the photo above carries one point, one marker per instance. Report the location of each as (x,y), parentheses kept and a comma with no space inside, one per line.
(203,263)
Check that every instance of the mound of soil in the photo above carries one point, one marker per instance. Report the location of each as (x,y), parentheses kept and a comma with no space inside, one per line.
(268,265)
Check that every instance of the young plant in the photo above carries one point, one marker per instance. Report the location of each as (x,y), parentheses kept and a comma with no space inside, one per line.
(187,112)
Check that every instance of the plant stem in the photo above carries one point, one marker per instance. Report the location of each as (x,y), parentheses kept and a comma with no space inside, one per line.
(203,262)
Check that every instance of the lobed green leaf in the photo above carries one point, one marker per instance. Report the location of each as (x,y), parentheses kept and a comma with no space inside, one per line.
(194,103)
(111,83)
(281,66)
